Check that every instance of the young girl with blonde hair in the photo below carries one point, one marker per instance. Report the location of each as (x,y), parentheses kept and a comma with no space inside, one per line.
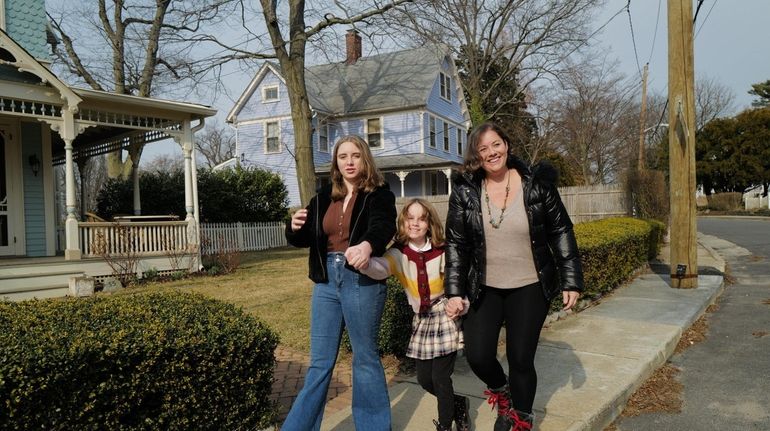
(417,260)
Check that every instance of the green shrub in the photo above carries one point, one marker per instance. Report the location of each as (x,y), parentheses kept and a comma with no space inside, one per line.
(729,201)
(150,275)
(612,249)
(170,360)
(396,323)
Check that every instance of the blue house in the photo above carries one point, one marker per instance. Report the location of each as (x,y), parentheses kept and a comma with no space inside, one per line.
(408,105)
(46,123)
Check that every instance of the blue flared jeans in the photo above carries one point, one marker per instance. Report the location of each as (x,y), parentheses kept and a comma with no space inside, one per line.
(356,302)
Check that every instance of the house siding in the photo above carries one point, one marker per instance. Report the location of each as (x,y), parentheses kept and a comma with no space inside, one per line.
(34,196)
(255,108)
(451,110)
(25,22)
(439,151)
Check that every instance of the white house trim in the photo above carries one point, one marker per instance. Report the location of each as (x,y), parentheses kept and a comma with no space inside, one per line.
(2,15)
(262,120)
(277,89)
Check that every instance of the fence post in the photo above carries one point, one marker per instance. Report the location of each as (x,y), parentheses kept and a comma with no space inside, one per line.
(239,235)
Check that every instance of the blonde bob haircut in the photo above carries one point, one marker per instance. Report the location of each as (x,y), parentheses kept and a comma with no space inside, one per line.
(370,177)
(435,228)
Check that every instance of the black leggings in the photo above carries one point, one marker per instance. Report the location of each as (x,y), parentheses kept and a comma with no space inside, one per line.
(523,310)
(435,376)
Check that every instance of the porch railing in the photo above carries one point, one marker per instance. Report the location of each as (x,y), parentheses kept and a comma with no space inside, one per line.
(138,238)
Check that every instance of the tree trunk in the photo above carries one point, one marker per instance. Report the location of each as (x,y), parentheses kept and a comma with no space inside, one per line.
(301,118)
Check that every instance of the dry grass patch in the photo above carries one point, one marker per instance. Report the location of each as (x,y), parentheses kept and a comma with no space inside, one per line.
(759,334)
(693,335)
(271,284)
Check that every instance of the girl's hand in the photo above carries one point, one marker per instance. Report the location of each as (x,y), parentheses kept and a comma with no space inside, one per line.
(358,255)
(570,298)
(454,307)
(298,219)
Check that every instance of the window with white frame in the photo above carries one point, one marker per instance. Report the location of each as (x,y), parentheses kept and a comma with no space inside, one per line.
(446,136)
(459,141)
(445,82)
(374,132)
(270,94)
(323,138)
(432,141)
(272,137)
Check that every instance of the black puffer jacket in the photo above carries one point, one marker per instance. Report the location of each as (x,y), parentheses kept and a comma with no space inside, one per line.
(373,219)
(553,242)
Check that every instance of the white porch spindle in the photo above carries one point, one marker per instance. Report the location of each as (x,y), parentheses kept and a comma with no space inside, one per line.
(187,148)
(67,132)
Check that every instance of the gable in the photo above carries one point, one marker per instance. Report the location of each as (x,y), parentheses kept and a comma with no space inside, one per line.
(268,75)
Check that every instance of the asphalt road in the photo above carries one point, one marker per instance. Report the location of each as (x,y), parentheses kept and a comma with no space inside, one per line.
(726,378)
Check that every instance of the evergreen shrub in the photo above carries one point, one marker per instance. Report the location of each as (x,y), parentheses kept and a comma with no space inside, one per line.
(612,249)
(164,360)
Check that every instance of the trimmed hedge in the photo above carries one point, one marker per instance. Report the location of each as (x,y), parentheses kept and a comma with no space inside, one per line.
(166,360)
(612,249)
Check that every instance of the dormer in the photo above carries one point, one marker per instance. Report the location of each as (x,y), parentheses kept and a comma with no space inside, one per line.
(25,22)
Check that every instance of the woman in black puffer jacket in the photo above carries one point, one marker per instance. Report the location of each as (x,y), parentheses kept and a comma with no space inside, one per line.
(510,250)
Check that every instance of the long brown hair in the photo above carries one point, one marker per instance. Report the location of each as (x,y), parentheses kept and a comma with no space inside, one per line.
(435,228)
(370,175)
(472,161)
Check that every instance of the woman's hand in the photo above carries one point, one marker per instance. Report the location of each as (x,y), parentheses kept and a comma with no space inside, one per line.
(358,255)
(298,219)
(569,298)
(454,307)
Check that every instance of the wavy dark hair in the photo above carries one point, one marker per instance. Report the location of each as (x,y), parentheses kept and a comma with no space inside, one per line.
(371,177)
(472,161)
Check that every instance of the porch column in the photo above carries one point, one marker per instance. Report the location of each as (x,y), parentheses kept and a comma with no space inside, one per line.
(402,176)
(134,153)
(448,173)
(67,132)
(187,147)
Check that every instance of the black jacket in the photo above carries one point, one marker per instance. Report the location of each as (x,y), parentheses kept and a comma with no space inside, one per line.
(373,219)
(553,242)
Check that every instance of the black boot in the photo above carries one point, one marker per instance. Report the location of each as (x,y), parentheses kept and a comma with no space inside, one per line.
(462,407)
(500,399)
(440,427)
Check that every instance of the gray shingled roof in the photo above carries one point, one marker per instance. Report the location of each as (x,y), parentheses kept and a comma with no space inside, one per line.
(395,80)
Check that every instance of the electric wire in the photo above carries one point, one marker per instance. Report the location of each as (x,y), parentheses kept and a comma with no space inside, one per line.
(633,38)
(700,27)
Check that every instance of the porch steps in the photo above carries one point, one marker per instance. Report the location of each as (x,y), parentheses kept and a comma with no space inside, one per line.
(26,281)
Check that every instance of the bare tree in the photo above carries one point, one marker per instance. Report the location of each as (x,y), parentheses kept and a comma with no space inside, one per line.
(712,100)
(216,144)
(164,163)
(596,119)
(529,38)
(137,47)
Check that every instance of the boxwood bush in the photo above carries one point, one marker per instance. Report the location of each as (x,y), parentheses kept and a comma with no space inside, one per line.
(167,360)
(612,249)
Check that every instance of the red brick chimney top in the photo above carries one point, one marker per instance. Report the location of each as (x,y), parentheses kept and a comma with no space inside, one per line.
(353,47)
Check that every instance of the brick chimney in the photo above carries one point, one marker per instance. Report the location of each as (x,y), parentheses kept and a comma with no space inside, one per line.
(353,47)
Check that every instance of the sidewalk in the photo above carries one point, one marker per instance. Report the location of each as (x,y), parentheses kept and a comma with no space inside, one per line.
(588,364)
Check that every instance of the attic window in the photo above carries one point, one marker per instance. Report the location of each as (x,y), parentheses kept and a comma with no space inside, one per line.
(270,94)
(446,86)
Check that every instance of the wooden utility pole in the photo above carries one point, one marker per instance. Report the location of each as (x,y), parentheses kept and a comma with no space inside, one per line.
(681,144)
(643,118)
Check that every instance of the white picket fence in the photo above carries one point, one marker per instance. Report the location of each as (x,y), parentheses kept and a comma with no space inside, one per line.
(225,237)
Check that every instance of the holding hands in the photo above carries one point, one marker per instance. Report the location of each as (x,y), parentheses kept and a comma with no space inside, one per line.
(358,255)
(456,307)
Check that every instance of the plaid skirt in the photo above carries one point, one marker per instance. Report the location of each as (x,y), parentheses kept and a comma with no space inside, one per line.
(434,334)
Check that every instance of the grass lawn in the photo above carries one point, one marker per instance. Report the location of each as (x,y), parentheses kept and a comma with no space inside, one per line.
(271,285)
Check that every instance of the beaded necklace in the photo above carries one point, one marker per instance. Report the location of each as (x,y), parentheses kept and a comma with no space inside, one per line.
(496,224)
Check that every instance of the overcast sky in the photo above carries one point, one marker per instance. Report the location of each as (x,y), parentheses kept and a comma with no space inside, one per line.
(731,46)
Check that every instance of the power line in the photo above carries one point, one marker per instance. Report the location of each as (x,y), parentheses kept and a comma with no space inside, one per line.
(697,9)
(655,33)
(633,38)
(705,19)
